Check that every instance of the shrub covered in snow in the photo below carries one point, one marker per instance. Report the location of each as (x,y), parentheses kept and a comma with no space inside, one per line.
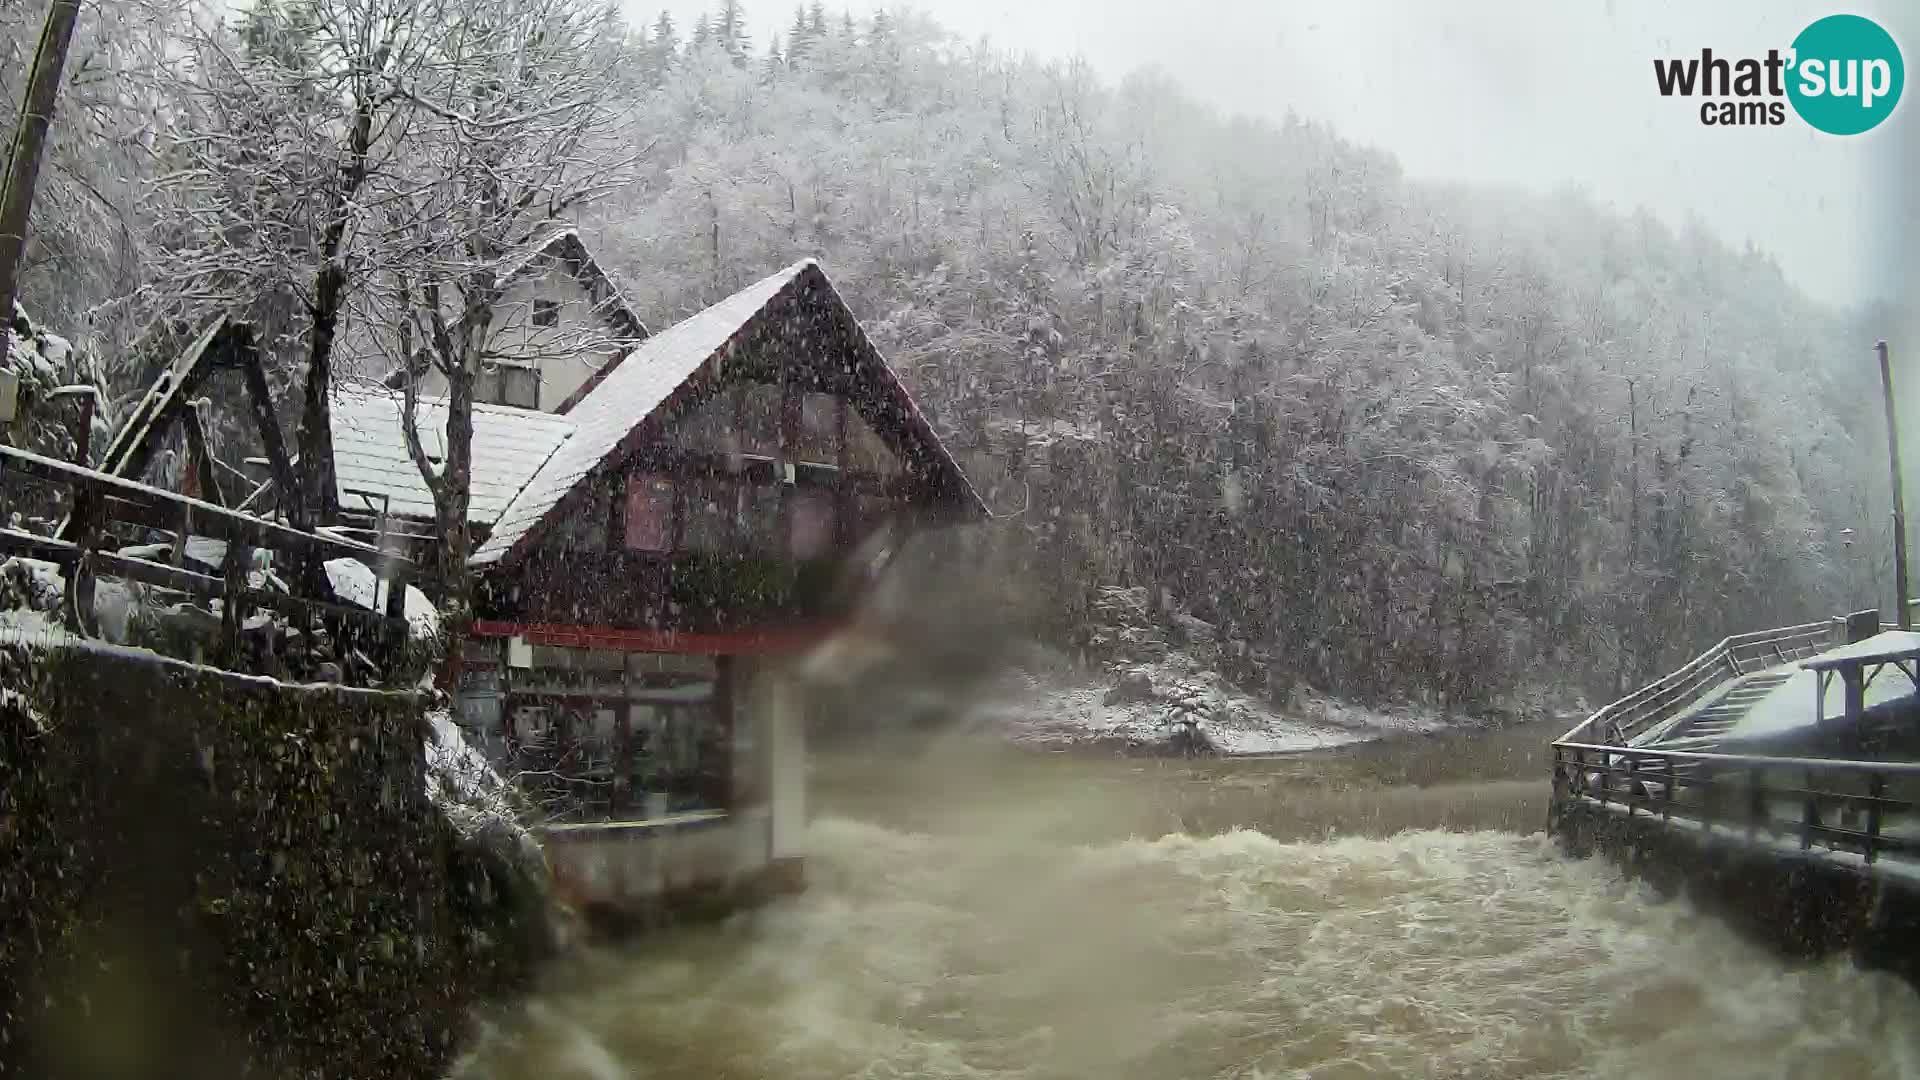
(44,362)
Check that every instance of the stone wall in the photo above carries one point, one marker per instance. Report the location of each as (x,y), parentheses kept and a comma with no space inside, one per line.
(209,874)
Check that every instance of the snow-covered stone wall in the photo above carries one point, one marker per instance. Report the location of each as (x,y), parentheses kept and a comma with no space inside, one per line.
(220,869)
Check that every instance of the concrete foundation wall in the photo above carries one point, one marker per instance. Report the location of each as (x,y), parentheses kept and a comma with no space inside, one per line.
(1804,906)
(634,867)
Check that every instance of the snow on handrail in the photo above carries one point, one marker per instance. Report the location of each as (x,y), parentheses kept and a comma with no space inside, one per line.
(1720,653)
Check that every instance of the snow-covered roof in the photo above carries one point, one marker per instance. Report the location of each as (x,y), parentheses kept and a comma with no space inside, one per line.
(606,301)
(1881,648)
(614,408)
(570,251)
(370,451)
(625,397)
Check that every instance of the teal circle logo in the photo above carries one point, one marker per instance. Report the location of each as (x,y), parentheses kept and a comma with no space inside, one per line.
(1846,75)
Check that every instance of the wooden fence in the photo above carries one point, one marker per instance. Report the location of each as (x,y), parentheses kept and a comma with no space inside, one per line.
(101,502)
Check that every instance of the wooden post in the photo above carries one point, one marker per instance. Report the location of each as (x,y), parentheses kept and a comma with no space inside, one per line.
(723,710)
(1876,791)
(29,143)
(83,434)
(1902,597)
(233,604)
(1809,814)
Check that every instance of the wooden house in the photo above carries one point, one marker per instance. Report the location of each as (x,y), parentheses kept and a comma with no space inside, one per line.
(655,549)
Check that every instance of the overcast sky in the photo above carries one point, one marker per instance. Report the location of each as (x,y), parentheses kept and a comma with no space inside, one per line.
(1537,93)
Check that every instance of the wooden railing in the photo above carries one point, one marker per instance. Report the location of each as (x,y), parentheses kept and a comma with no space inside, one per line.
(102,501)
(1742,654)
(1836,805)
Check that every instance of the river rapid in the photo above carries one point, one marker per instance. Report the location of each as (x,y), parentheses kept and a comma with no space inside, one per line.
(1384,911)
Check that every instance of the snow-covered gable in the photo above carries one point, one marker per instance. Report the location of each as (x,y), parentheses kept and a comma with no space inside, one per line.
(589,329)
(371,459)
(614,408)
(625,397)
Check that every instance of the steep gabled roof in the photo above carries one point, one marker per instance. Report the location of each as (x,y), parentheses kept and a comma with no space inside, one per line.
(370,452)
(566,248)
(609,305)
(609,419)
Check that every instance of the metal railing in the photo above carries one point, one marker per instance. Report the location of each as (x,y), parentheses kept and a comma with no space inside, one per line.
(1827,803)
(1815,802)
(1619,721)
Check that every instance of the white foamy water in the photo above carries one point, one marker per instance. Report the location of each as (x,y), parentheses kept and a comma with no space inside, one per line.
(1445,954)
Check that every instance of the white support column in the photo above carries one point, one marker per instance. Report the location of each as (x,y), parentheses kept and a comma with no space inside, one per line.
(787,758)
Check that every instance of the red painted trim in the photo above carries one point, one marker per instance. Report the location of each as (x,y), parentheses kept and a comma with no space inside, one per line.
(756,642)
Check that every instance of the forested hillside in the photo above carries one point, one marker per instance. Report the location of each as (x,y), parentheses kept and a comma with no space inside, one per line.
(1385,436)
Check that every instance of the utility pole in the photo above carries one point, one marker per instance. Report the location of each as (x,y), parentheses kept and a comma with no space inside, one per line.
(29,142)
(1899,502)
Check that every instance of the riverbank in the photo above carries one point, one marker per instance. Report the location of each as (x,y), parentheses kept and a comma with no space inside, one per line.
(1174,705)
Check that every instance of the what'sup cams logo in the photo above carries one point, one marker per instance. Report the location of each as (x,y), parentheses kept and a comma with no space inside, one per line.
(1843,75)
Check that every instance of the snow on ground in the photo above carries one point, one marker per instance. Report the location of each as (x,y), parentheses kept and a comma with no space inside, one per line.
(467,790)
(354,583)
(1033,710)
(30,595)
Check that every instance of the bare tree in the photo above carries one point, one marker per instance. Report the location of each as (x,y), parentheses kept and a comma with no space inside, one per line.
(514,124)
(287,119)
(29,140)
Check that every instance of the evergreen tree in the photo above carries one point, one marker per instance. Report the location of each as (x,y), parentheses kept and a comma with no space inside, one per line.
(817,20)
(730,31)
(665,44)
(702,32)
(774,62)
(798,35)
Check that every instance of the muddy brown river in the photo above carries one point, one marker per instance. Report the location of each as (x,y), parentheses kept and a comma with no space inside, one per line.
(1387,911)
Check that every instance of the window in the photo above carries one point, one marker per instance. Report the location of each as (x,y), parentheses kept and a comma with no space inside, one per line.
(586,530)
(762,518)
(819,429)
(760,420)
(710,428)
(546,312)
(866,450)
(812,523)
(507,384)
(649,512)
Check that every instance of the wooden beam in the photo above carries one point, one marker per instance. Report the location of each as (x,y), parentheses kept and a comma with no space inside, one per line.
(65,553)
(132,446)
(260,399)
(144,505)
(843,524)
(202,455)
(764,641)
